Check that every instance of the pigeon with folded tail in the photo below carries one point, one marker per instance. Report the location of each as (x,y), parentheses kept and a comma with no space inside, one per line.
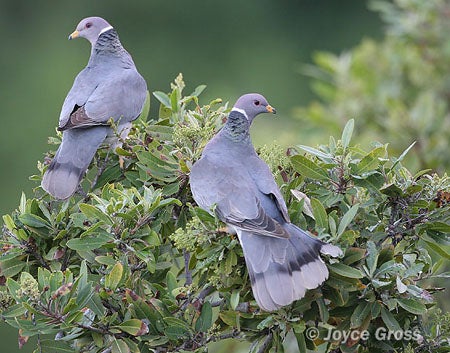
(109,87)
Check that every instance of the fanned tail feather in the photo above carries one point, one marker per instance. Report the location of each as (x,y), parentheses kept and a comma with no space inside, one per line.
(281,270)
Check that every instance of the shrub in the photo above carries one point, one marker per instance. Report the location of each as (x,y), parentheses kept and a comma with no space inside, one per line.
(134,266)
(397,88)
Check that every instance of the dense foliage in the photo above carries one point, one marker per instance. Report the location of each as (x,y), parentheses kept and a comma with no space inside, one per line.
(132,265)
(397,88)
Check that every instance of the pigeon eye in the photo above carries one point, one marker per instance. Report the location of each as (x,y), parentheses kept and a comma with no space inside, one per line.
(88,25)
(257,103)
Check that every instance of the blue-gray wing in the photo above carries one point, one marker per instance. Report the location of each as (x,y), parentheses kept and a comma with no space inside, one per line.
(119,95)
(266,184)
(232,194)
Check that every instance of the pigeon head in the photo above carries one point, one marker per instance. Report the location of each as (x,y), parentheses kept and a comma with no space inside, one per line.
(91,28)
(253,104)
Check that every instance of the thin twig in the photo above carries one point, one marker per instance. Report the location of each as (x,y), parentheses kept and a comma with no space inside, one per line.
(266,343)
(217,303)
(138,267)
(141,222)
(101,169)
(65,261)
(187,257)
(200,297)
(30,248)
(205,292)
(233,334)
(184,180)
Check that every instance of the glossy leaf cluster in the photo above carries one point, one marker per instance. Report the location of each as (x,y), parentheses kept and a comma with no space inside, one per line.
(132,265)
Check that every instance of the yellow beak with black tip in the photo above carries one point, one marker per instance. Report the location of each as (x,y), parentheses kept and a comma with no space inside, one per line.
(271,109)
(74,35)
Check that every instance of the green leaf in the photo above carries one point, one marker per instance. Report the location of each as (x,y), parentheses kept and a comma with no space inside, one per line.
(347,219)
(300,337)
(402,156)
(9,223)
(13,311)
(375,310)
(266,323)
(93,212)
(439,249)
(89,242)
(336,296)
(119,346)
(370,161)
(171,281)
(308,168)
(134,327)
(353,255)
(163,98)
(158,163)
(174,101)
(146,108)
(160,132)
(389,267)
(12,267)
(372,182)
(372,257)
(10,254)
(346,271)
(332,224)
(54,346)
(171,189)
(105,260)
(360,314)
(323,310)
(164,112)
(98,339)
(144,310)
(320,215)
(112,280)
(347,133)
(230,318)
(413,189)
(412,305)
(176,329)
(23,203)
(204,321)
(34,221)
(84,295)
(110,174)
(83,274)
(439,227)
(414,270)
(389,320)
(198,90)
(401,287)
(391,190)
(155,341)
(96,305)
(325,157)
(55,280)
(234,299)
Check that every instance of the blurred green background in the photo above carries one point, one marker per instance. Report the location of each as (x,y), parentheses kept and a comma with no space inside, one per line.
(233,46)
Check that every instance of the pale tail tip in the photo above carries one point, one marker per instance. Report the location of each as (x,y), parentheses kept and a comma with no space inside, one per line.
(331,250)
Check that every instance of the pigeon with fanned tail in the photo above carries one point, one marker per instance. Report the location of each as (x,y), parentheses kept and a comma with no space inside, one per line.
(109,87)
(283,261)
